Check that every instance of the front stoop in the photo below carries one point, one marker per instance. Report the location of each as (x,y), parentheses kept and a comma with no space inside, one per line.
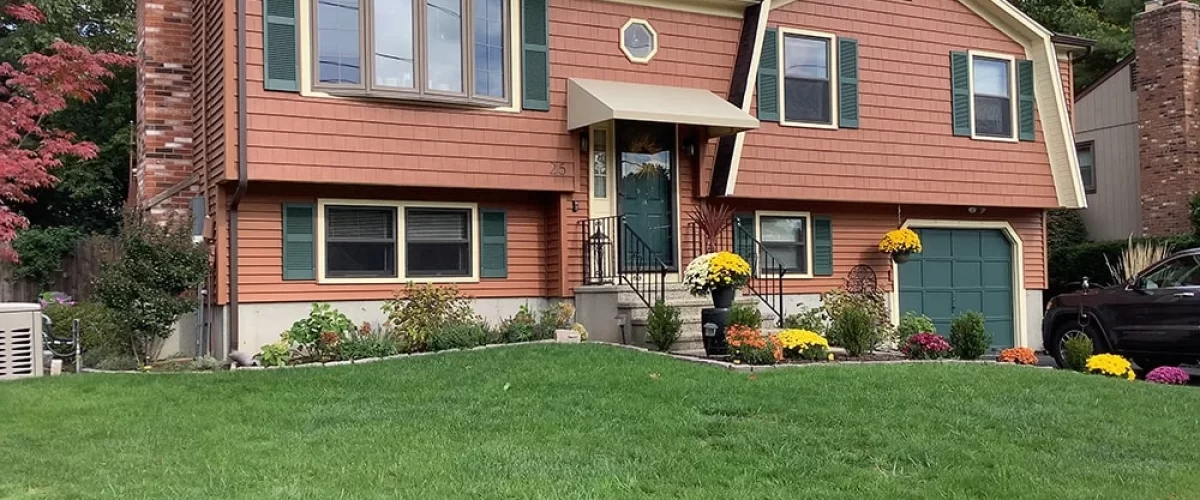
(611,305)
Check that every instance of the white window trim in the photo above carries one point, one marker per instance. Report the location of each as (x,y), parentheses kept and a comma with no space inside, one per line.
(304,19)
(401,269)
(653,45)
(808,243)
(833,76)
(1012,93)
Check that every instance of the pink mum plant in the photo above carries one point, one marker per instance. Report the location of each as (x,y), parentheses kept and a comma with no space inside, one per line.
(1171,375)
(926,346)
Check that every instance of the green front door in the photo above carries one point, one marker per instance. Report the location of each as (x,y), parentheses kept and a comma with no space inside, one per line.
(645,191)
(962,270)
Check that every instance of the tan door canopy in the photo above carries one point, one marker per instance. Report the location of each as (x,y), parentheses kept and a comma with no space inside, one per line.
(597,101)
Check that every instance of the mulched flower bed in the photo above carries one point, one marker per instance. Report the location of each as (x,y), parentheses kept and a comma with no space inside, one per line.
(841,358)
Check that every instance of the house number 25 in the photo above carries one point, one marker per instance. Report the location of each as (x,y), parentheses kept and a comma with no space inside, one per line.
(558,167)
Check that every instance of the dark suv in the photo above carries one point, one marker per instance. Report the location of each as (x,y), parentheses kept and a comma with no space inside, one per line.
(1153,319)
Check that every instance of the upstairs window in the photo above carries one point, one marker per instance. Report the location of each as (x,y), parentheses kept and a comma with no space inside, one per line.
(440,50)
(1085,151)
(808,74)
(992,92)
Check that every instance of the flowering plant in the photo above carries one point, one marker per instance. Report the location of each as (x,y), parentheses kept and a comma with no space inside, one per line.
(1172,375)
(1018,355)
(749,346)
(714,270)
(925,346)
(903,240)
(804,344)
(1110,365)
(62,299)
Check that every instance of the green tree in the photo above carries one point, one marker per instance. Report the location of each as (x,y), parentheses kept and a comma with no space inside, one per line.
(1108,22)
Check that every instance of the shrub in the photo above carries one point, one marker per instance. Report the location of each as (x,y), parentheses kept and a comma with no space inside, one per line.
(99,334)
(1064,228)
(1076,351)
(277,354)
(1194,213)
(42,251)
(663,325)
(1171,375)
(925,345)
(1068,265)
(364,343)
(149,278)
(556,317)
(319,334)
(911,324)
(417,311)
(461,336)
(856,330)
(579,328)
(748,345)
(1110,365)
(515,331)
(205,363)
(1135,258)
(804,344)
(1018,355)
(813,319)
(968,337)
(745,315)
(874,304)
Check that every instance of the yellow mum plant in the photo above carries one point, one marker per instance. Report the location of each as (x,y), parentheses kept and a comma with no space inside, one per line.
(1110,365)
(804,344)
(714,270)
(903,240)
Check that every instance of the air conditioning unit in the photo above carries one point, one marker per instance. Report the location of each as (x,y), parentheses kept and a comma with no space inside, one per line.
(20,340)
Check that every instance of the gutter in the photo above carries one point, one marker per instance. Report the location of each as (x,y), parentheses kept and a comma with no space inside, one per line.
(240,193)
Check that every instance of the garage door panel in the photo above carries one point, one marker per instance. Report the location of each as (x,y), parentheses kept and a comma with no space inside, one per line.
(994,245)
(968,300)
(967,274)
(997,274)
(938,303)
(966,243)
(935,243)
(997,303)
(997,329)
(935,274)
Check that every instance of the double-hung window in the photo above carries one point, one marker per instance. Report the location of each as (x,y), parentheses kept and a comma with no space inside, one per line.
(807,76)
(1086,152)
(437,242)
(453,51)
(786,237)
(396,241)
(360,242)
(992,90)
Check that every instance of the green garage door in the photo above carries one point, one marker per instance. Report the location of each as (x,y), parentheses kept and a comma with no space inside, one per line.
(961,270)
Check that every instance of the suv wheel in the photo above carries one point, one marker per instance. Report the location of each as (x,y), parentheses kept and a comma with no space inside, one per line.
(1058,343)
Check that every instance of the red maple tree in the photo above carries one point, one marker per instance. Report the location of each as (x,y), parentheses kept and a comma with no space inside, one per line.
(41,84)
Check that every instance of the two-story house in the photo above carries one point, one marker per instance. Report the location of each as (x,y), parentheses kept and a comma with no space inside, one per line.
(528,150)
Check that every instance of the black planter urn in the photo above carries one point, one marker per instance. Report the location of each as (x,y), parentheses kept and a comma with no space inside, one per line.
(723,296)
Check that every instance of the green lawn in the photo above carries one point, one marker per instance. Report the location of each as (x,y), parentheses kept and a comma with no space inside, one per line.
(597,421)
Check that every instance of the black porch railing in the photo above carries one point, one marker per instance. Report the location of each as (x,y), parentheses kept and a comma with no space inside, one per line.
(614,253)
(766,280)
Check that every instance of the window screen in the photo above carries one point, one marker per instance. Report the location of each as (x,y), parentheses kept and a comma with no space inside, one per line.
(360,242)
(437,242)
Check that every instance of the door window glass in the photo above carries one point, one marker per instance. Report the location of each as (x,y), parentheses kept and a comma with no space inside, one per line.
(1183,271)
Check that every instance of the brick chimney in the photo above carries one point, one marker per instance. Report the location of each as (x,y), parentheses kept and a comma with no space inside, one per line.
(1168,74)
(162,176)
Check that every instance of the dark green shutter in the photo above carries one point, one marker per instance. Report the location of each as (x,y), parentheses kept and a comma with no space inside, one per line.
(1025,101)
(822,246)
(535,55)
(960,83)
(279,45)
(768,78)
(847,83)
(744,236)
(299,242)
(493,253)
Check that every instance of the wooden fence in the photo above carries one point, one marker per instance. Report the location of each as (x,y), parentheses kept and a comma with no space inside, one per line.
(78,271)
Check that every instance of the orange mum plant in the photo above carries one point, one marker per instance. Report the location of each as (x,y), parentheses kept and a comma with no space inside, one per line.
(1018,355)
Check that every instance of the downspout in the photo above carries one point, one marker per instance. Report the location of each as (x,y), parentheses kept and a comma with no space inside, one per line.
(240,193)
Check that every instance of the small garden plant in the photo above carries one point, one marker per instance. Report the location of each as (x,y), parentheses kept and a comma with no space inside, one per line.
(813,319)
(663,325)
(1110,365)
(925,346)
(804,345)
(749,346)
(912,323)
(1018,355)
(1076,351)
(855,330)
(745,315)
(1170,375)
(968,337)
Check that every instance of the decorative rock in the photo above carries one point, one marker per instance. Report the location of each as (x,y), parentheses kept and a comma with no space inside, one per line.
(337,363)
(566,336)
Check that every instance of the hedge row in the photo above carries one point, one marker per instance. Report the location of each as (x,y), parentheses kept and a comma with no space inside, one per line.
(1069,264)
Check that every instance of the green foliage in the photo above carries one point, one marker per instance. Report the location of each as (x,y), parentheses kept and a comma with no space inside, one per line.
(513,330)
(968,337)
(663,325)
(874,304)
(364,343)
(277,354)
(461,336)
(322,318)
(745,315)
(150,278)
(911,324)
(42,251)
(813,319)
(417,311)
(99,333)
(1194,213)
(205,363)
(1108,22)
(117,362)
(758,355)
(1068,265)
(1076,351)
(855,329)
(1064,228)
